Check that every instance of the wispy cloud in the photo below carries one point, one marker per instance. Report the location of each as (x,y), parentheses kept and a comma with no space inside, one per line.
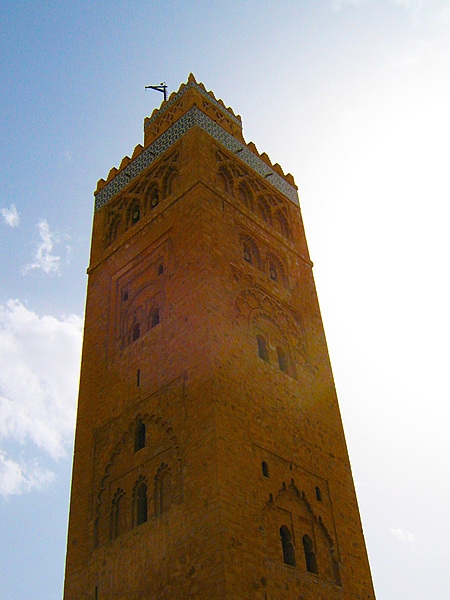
(10,216)
(405,536)
(16,478)
(44,258)
(339,4)
(38,386)
(415,5)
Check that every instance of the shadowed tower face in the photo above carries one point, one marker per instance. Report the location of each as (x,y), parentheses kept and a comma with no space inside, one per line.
(210,460)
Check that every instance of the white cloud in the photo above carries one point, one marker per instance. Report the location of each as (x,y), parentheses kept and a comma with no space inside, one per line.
(338,4)
(16,478)
(404,535)
(10,216)
(416,5)
(44,258)
(38,387)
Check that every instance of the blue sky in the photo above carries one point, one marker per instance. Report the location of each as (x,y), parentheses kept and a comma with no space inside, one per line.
(350,96)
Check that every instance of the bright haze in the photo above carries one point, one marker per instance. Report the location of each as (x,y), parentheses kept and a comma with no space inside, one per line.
(352,97)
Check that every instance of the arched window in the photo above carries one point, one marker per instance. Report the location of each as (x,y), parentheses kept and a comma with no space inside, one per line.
(161,269)
(273,272)
(310,557)
(287,546)
(250,252)
(265,468)
(135,214)
(135,332)
(282,360)
(276,269)
(247,252)
(153,198)
(117,514)
(246,195)
(318,494)
(225,179)
(282,224)
(139,436)
(141,504)
(115,230)
(264,210)
(263,351)
(170,181)
(163,490)
(154,317)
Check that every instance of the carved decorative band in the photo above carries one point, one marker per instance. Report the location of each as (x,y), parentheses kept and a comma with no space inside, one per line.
(193,117)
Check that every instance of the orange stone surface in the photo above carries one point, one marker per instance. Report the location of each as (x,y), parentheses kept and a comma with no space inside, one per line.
(210,459)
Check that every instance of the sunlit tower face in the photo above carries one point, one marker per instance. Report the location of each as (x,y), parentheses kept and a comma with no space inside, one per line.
(210,459)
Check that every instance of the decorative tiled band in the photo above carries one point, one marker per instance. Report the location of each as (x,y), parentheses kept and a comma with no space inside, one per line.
(178,95)
(193,117)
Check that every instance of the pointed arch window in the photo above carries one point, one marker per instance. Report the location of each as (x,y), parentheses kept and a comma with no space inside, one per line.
(135,332)
(273,272)
(153,198)
(282,360)
(263,350)
(163,490)
(154,317)
(247,252)
(225,179)
(246,195)
(139,436)
(276,269)
(135,214)
(250,252)
(114,230)
(282,224)
(117,514)
(310,556)
(170,181)
(264,211)
(141,504)
(287,546)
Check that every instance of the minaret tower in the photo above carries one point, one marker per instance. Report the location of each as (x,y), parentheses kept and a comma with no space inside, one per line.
(210,459)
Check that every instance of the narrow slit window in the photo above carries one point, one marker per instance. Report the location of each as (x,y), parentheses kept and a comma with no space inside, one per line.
(282,360)
(273,272)
(139,436)
(154,317)
(136,332)
(141,504)
(247,253)
(263,351)
(265,468)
